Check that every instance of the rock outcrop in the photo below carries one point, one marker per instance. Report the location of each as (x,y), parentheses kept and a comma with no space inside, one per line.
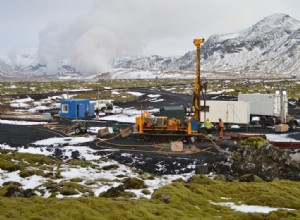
(256,156)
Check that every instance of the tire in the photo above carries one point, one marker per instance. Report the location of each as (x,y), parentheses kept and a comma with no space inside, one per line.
(263,121)
(271,121)
(293,125)
(103,109)
(77,131)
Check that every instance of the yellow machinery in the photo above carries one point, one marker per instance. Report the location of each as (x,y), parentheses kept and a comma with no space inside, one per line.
(197,84)
(148,124)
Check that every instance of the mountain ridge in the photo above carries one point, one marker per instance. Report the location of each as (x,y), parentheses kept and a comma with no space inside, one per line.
(269,47)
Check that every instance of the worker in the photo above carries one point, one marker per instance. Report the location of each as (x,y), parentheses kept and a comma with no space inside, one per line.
(221,127)
(208,125)
(97,113)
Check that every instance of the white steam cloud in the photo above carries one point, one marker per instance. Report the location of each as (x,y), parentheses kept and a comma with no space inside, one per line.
(111,29)
(115,28)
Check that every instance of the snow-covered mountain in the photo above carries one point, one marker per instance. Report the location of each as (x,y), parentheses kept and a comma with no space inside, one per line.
(269,47)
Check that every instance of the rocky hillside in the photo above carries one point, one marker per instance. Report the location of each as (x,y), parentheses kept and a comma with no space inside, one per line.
(270,47)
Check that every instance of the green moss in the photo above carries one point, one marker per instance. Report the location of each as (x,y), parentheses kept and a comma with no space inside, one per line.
(250,178)
(201,179)
(146,192)
(76,180)
(235,155)
(111,167)
(81,163)
(256,142)
(134,183)
(11,160)
(186,201)
(117,192)
(6,185)
(9,165)
(220,177)
(27,173)
(66,188)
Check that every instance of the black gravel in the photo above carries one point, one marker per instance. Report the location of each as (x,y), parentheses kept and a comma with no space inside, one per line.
(22,135)
(158,163)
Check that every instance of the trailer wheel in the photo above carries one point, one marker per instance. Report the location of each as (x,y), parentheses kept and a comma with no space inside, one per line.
(293,125)
(271,121)
(77,131)
(263,121)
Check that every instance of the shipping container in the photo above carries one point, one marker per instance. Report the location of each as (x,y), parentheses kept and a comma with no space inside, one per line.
(76,108)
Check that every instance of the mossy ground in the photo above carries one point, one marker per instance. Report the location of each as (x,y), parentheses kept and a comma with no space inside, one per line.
(230,87)
(180,200)
(186,201)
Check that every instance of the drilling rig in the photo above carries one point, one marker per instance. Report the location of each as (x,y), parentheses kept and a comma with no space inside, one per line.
(162,127)
(197,83)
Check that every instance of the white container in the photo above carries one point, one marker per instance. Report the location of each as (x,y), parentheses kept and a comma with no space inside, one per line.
(265,104)
(231,112)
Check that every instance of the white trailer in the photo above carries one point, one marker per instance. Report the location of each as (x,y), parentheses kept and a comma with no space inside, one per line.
(265,104)
(272,109)
(231,112)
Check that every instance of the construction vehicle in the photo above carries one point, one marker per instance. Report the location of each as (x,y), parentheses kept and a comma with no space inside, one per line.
(163,127)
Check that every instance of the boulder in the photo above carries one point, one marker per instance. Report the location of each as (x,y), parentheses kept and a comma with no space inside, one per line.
(261,159)
(16,191)
(75,154)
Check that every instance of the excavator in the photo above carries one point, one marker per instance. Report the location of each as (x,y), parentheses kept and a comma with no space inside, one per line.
(163,127)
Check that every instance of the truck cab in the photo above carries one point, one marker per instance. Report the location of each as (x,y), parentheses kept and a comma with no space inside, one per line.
(104,104)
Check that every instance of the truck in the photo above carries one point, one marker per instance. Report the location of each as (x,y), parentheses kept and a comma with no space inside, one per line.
(104,104)
(107,106)
(270,109)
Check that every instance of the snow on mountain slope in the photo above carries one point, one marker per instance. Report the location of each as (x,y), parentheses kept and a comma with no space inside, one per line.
(26,57)
(269,47)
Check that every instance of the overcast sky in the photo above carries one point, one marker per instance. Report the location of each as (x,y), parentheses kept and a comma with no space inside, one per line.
(126,27)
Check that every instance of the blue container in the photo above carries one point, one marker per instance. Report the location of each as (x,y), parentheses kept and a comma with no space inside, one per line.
(76,108)
(195,125)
